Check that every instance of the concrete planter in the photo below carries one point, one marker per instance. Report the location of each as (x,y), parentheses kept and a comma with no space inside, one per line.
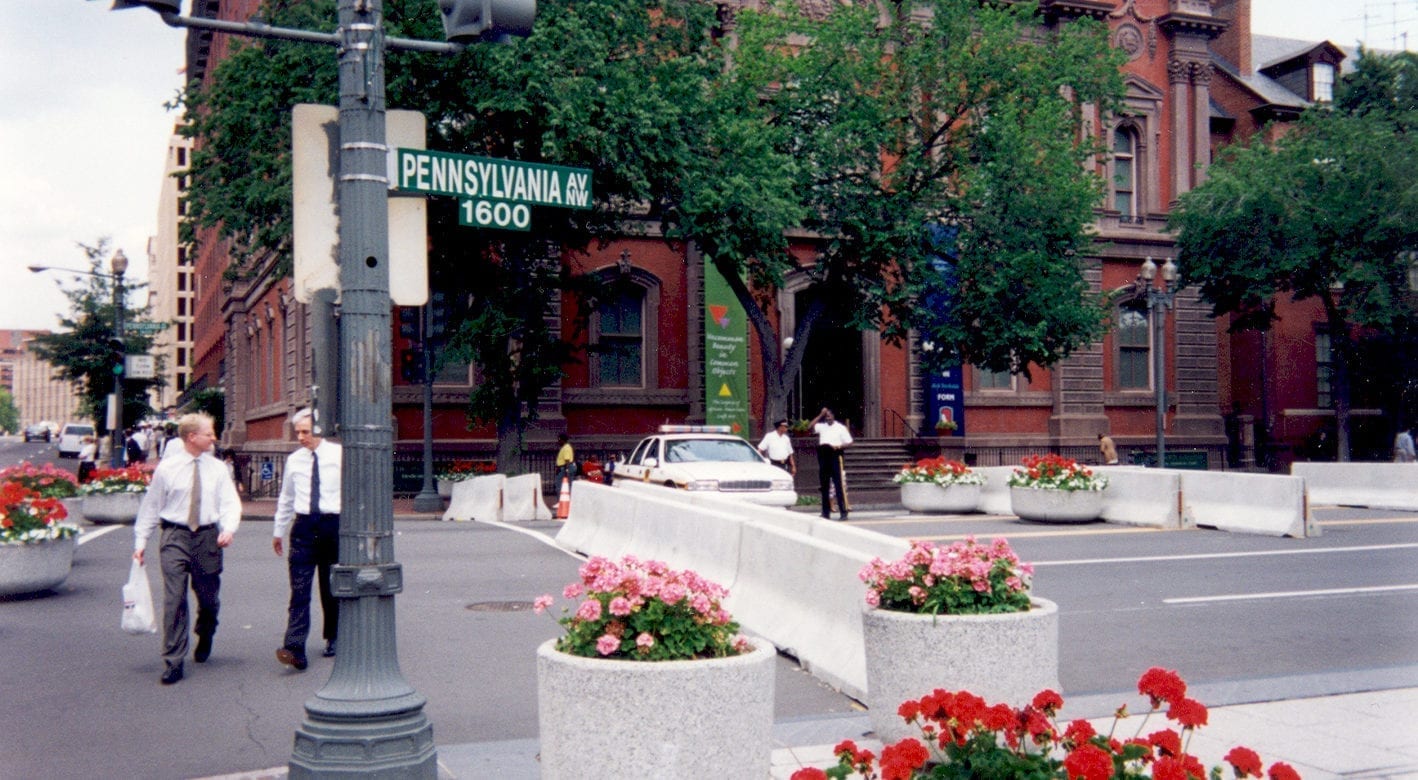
(445,487)
(1002,658)
(74,507)
(936,499)
(636,719)
(35,567)
(112,507)
(1056,506)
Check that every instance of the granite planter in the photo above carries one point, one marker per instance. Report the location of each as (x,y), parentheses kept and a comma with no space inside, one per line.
(929,497)
(74,506)
(112,507)
(445,487)
(35,567)
(638,719)
(1002,658)
(1056,506)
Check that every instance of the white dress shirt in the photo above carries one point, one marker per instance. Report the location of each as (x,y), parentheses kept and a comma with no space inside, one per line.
(170,492)
(295,484)
(778,446)
(833,434)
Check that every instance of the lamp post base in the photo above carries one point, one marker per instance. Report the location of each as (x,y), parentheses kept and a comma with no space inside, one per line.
(428,501)
(399,745)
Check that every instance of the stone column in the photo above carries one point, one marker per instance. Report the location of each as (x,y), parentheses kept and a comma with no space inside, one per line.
(1178,76)
(1201,116)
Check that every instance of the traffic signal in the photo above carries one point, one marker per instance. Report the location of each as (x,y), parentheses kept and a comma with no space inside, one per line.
(471,21)
(411,365)
(438,310)
(409,323)
(119,354)
(161,6)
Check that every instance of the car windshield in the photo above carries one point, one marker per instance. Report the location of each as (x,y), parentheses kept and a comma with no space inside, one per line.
(78,430)
(717,450)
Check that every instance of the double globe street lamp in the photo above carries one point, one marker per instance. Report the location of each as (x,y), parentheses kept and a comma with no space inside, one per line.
(1159,299)
(117,266)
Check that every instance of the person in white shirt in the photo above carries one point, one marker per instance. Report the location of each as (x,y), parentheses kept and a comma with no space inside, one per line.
(309,509)
(193,499)
(832,438)
(777,447)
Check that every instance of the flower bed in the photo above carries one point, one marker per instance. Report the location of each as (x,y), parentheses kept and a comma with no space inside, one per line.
(130,479)
(938,471)
(461,470)
(1055,472)
(46,481)
(964,578)
(26,517)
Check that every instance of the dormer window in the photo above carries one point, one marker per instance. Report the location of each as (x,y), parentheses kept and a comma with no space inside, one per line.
(1322,82)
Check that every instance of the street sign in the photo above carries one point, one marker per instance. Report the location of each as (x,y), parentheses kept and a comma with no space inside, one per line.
(146,328)
(481,179)
(139,366)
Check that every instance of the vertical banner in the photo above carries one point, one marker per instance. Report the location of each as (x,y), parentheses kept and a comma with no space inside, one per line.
(945,400)
(725,354)
(945,387)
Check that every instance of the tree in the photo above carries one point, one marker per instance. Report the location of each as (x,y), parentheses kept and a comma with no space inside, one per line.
(1327,212)
(84,352)
(9,415)
(934,150)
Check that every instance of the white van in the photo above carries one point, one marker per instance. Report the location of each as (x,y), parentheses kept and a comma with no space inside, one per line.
(71,439)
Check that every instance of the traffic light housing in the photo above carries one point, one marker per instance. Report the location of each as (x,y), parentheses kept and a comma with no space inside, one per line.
(119,354)
(409,323)
(471,21)
(161,6)
(411,365)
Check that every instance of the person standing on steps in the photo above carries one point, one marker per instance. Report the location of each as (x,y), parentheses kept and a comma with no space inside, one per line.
(1107,449)
(309,509)
(832,438)
(193,499)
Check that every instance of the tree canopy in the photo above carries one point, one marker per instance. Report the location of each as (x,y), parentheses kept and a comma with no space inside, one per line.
(1328,212)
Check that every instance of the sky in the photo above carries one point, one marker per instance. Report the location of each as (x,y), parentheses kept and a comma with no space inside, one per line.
(84,133)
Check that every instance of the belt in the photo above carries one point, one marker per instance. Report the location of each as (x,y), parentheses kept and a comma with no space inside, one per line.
(782,462)
(183,526)
(322,516)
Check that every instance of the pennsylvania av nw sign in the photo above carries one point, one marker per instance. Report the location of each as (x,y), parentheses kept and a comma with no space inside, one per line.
(492,193)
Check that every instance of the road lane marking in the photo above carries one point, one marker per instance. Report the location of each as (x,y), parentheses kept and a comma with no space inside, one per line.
(1288,594)
(1031,534)
(1370,521)
(89,536)
(1209,556)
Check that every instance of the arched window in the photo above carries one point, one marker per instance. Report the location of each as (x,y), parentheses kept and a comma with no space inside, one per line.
(623,337)
(1134,341)
(1125,173)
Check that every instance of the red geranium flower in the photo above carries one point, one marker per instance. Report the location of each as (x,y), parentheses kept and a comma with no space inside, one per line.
(1188,712)
(809,773)
(1161,685)
(1245,762)
(1089,762)
(1049,701)
(1167,741)
(1283,771)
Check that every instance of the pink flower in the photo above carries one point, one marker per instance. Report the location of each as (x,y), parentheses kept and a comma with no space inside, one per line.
(620,606)
(589,610)
(607,644)
(644,641)
(541,603)
(572,591)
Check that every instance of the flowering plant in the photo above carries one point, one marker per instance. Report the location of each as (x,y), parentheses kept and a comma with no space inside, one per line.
(800,427)
(963,737)
(46,480)
(965,578)
(644,611)
(129,479)
(946,426)
(27,517)
(460,470)
(1055,472)
(938,471)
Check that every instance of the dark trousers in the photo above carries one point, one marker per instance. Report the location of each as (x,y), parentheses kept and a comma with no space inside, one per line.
(188,557)
(314,549)
(829,472)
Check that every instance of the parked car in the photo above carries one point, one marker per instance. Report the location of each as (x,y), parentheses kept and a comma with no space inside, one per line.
(708,458)
(71,439)
(37,432)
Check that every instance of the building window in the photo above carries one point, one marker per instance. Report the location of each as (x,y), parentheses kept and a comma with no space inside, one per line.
(1322,82)
(181,157)
(620,338)
(1324,371)
(182,307)
(1125,173)
(986,379)
(1134,340)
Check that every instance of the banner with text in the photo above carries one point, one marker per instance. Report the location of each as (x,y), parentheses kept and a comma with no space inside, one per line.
(725,354)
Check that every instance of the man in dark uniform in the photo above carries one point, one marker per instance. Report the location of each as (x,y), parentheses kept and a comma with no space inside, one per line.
(309,508)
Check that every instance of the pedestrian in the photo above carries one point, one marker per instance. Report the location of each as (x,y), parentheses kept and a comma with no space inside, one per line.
(195,503)
(1108,449)
(88,458)
(832,438)
(777,447)
(611,460)
(565,459)
(133,452)
(1403,447)
(309,509)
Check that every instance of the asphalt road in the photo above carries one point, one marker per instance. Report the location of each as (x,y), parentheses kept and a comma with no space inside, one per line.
(1243,618)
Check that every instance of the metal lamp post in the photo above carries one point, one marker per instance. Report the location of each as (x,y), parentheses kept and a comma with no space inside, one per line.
(1159,299)
(118,266)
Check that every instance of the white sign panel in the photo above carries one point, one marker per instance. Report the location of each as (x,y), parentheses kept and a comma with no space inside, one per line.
(139,366)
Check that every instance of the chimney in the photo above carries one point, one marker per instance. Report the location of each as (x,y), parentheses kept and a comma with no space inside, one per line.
(1234,45)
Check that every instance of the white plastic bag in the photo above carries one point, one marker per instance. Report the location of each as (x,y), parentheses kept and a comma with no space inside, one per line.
(138,602)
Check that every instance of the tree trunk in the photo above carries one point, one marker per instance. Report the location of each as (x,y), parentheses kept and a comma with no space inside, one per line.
(510,427)
(1340,350)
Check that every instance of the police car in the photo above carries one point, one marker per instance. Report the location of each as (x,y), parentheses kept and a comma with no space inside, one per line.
(708,458)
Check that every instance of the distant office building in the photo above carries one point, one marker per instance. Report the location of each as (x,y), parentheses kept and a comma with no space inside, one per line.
(172,286)
(39,396)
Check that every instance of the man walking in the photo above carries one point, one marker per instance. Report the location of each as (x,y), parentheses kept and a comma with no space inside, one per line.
(193,499)
(777,447)
(311,484)
(832,438)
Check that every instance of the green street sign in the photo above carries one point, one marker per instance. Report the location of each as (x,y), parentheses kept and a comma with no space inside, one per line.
(145,328)
(487,179)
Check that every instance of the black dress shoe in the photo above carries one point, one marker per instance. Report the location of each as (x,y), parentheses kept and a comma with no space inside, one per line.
(291,658)
(172,674)
(329,649)
(204,649)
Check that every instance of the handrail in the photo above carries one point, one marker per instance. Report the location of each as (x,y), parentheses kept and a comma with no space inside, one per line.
(915,434)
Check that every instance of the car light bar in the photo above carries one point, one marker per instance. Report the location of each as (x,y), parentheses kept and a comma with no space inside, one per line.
(695,429)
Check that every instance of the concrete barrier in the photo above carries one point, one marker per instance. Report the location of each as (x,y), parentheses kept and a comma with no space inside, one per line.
(479,498)
(1373,485)
(522,499)
(1143,497)
(1269,504)
(994,497)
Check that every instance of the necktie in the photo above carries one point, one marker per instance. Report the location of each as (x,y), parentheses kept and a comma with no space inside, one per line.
(314,484)
(194,501)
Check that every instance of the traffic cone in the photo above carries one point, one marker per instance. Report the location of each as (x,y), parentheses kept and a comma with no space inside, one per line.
(563,504)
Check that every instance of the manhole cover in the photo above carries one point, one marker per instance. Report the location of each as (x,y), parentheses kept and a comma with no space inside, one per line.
(499,606)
